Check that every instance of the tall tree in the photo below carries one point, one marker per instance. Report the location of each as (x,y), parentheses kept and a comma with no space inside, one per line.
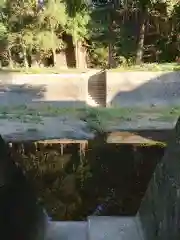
(156,9)
(77,26)
(51,24)
(19,19)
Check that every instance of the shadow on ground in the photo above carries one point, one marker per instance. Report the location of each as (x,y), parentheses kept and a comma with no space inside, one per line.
(13,94)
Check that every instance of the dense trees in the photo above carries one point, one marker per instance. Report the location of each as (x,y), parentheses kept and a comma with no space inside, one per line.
(110,33)
(142,30)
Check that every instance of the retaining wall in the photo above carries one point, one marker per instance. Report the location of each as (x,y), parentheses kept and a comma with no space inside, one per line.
(95,88)
(61,89)
(130,89)
(159,213)
(142,88)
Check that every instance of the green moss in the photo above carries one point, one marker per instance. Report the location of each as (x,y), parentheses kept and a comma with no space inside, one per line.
(159,144)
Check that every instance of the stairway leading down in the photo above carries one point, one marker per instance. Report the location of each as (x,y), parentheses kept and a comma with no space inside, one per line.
(96,228)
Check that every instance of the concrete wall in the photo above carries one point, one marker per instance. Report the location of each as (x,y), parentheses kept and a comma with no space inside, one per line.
(95,88)
(159,213)
(142,88)
(62,89)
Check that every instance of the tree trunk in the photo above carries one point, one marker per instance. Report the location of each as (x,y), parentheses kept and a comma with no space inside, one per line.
(53,49)
(110,45)
(54,57)
(140,47)
(10,58)
(26,65)
(29,57)
(80,55)
(77,54)
(110,57)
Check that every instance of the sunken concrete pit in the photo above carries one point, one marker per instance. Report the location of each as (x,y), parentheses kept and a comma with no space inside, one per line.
(90,175)
(85,175)
(92,189)
(116,190)
(99,173)
(158,213)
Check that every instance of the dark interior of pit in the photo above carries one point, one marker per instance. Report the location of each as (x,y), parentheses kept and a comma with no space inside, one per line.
(74,180)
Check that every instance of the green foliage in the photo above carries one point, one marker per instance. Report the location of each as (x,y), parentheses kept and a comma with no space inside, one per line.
(28,28)
(46,40)
(3,33)
(53,15)
(98,56)
(77,25)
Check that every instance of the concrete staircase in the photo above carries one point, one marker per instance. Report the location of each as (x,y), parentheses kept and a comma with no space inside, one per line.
(96,228)
(97,90)
(91,101)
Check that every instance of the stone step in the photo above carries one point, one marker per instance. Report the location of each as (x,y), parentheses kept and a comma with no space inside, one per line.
(96,228)
(113,228)
(67,231)
(91,102)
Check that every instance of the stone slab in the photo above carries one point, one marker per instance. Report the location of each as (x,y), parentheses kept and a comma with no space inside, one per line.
(116,228)
(67,231)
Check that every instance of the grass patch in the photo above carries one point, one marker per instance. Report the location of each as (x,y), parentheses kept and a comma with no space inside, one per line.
(169,114)
(41,111)
(22,118)
(42,70)
(97,118)
(151,67)
(47,110)
(102,118)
